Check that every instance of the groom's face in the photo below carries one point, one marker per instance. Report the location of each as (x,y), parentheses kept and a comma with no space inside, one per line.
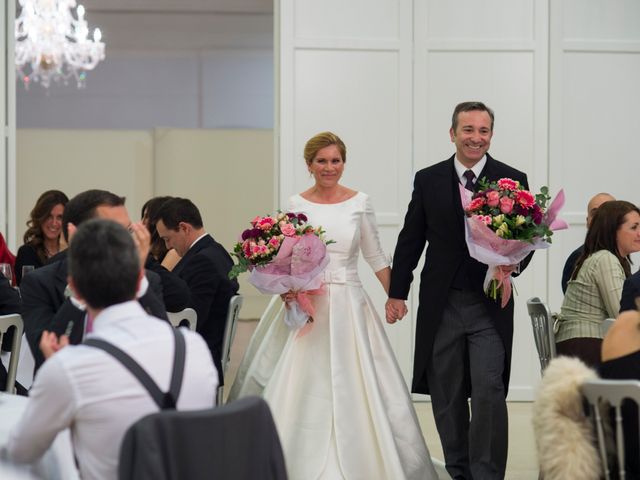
(472,136)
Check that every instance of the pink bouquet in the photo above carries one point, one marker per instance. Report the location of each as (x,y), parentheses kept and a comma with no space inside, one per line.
(283,253)
(504,223)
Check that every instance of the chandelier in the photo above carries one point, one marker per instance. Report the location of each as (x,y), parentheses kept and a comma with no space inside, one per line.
(53,45)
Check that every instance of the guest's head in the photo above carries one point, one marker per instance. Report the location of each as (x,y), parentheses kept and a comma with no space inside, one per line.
(597,200)
(615,227)
(471,131)
(104,267)
(91,204)
(45,222)
(179,224)
(149,217)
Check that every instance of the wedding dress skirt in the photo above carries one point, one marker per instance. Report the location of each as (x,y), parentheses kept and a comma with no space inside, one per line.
(337,395)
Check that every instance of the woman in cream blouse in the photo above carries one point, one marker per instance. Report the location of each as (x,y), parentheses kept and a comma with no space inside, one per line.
(593,293)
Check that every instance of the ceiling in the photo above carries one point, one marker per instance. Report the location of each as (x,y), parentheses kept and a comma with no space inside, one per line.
(192,25)
(168,6)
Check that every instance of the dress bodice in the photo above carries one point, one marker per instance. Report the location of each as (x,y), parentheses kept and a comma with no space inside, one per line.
(351,224)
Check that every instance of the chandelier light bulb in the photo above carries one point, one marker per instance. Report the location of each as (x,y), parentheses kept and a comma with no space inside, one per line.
(52,44)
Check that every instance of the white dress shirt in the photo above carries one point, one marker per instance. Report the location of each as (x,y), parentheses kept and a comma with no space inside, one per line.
(90,392)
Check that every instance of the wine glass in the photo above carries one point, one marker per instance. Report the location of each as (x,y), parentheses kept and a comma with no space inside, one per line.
(26,269)
(5,269)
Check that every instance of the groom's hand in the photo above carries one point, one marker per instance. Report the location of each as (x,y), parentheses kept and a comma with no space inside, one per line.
(395,309)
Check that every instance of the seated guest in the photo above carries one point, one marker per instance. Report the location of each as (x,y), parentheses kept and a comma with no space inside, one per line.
(86,389)
(570,264)
(595,287)
(204,265)
(630,293)
(9,303)
(168,258)
(43,238)
(175,292)
(47,304)
(621,361)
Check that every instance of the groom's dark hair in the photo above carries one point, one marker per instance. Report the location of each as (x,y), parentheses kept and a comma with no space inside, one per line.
(469,107)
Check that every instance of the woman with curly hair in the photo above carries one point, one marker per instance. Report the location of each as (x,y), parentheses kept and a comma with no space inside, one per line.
(43,238)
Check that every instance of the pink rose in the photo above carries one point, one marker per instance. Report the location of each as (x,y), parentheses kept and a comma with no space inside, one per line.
(266,223)
(486,219)
(508,184)
(274,242)
(506,204)
(476,204)
(493,198)
(255,221)
(246,248)
(288,230)
(525,198)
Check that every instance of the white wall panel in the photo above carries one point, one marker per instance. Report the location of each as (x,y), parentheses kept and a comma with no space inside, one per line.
(502,20)
(331,19)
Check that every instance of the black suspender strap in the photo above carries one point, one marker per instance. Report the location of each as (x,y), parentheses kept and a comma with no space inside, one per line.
(165,401)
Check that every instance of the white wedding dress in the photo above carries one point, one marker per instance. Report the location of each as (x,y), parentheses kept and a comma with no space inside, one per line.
(338,398)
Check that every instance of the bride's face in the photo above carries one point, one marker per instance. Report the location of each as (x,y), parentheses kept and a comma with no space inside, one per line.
(327,166)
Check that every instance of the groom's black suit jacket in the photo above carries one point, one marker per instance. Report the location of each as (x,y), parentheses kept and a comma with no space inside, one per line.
(205,268)
(45,307)
(435,216)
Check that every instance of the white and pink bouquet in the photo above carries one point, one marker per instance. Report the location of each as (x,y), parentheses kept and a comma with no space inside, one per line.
(504,223)
(284,254)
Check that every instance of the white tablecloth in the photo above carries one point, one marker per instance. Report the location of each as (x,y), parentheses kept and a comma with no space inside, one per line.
(58,462)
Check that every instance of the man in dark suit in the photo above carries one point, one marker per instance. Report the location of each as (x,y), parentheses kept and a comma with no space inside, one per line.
(47,303)
(463,339)
(204,265)
(630,293)
(570,264)
(9,303)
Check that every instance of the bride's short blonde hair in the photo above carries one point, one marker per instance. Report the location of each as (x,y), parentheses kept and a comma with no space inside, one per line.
(320,141)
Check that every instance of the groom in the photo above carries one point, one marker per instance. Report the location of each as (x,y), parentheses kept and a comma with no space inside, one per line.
(463,339)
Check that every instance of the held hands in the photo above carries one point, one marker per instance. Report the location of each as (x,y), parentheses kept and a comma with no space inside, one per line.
(395,309)
(50,343)
(288,298)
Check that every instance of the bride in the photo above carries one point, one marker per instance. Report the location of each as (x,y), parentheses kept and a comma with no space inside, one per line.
(338,398)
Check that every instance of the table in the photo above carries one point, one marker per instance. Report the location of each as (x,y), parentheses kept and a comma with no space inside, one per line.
(58,462)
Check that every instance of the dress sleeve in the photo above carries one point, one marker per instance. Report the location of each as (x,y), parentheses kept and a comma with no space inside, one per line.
(370,239)
(610,278)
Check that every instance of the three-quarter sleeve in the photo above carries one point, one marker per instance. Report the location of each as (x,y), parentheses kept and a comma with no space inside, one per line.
(370,239)
(610,279)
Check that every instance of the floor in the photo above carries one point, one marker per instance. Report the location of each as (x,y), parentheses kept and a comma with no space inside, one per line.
(521,464)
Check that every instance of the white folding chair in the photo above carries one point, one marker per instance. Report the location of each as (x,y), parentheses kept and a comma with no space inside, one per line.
(235,304)
(614,392)
(606,325)
(187,317)
(542,323)
(6,322)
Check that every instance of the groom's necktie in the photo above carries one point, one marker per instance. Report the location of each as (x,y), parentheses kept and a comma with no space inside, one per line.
(469,175)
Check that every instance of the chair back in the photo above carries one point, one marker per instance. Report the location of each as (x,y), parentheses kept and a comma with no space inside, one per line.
(606,325)
(188,317)
(7,322)
(238,440)
(614,392)
(542,323)
(235,304)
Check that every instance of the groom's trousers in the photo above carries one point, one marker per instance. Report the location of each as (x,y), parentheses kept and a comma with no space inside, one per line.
(467,345)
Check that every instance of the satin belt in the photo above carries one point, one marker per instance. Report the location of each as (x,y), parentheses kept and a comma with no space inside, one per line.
(342,277)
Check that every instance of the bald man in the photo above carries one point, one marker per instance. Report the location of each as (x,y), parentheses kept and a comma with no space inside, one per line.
(597,200)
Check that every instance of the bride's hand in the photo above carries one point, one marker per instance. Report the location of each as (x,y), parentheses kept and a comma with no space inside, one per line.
(288,297)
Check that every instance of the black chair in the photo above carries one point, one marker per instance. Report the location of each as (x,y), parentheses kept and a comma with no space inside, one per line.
(236,441)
